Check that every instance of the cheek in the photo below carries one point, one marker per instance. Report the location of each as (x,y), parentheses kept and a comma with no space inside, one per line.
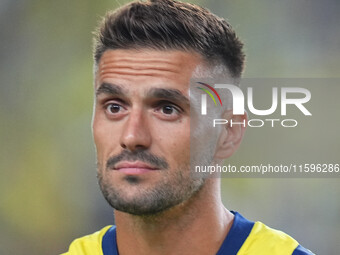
(174,142)
(103,135)
(98,133)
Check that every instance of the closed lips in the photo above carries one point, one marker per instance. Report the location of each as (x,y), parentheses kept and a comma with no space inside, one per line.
(135,165)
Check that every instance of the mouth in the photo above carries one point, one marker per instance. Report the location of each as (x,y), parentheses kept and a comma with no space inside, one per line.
(134,168)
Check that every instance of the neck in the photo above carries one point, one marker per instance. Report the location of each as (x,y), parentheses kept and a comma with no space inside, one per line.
(197,226)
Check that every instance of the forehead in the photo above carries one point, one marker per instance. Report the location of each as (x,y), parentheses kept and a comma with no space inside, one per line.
(146,66)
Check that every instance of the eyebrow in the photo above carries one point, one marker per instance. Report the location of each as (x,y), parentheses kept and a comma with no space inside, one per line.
(169,94)
(110,89)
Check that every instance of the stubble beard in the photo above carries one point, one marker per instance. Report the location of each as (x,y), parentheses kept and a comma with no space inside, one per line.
(173,189)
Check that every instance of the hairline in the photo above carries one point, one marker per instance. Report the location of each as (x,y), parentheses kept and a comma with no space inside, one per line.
(206,69)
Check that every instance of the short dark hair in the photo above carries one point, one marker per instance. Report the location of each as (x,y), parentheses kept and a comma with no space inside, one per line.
(171,25)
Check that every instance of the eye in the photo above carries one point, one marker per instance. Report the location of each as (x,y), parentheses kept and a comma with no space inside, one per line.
(113,108)
(168,109)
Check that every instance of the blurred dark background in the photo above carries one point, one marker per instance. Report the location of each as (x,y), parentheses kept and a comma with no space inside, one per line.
(48,187)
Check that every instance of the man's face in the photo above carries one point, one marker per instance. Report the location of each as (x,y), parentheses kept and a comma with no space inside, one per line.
(141,129)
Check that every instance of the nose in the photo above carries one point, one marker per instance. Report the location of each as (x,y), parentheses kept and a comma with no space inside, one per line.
(136,134)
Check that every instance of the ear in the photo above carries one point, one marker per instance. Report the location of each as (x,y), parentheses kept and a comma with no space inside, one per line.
(231,135)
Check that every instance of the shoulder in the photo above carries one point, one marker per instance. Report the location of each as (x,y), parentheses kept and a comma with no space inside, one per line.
(267,241)
(89,244)
(246,237)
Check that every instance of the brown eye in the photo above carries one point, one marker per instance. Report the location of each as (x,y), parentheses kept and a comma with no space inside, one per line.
(113,108)
(168,109)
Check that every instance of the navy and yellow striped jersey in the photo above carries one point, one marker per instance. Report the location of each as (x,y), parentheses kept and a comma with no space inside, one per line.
(244,238)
